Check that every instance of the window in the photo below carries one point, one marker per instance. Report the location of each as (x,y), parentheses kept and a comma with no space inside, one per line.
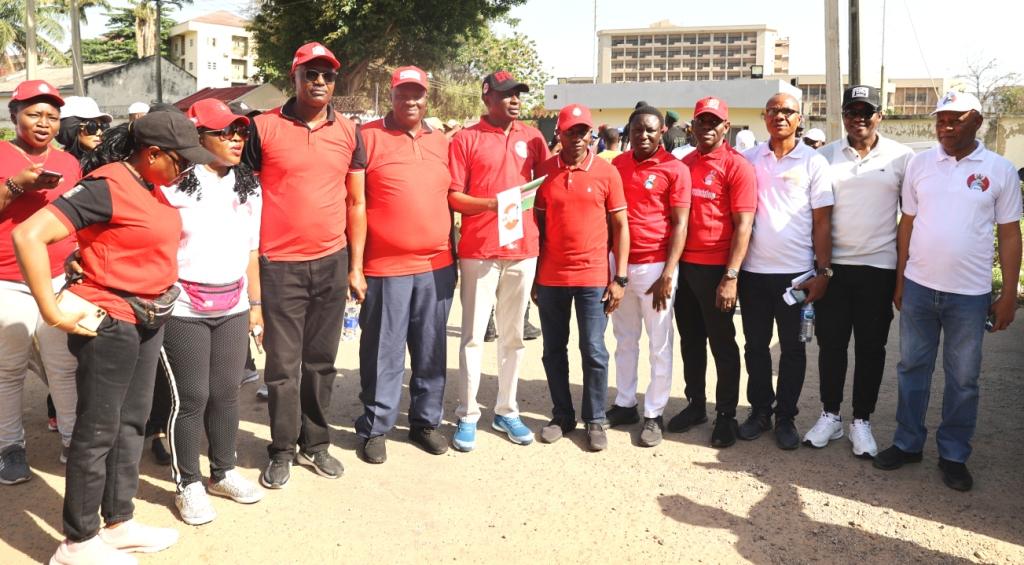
(212,41)
(239,46)
(212,65)
(190,66)
(191,42)
(238,70)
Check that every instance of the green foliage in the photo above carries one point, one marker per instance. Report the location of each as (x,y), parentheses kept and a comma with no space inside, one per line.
(1011,99)
(49,30)
(6,134)
(368,35)
(118,43)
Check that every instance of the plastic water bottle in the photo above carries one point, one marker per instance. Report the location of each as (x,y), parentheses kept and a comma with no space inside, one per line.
(351,323)
(807,323)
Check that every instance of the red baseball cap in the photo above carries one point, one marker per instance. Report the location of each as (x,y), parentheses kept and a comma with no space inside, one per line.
(211,113)
(409,75)
(311,52)
(574,115)
(713,106)
(29,89)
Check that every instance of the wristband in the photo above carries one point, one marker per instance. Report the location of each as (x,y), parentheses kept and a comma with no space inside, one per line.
(255,303)
(13,188)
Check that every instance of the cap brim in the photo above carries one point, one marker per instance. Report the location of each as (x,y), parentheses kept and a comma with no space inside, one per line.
(852,101)
(197,155)
(335,64)
(101,116)
(57,100)
(574,123)
(410,81)
(225,121)
(512,85)
(717,113)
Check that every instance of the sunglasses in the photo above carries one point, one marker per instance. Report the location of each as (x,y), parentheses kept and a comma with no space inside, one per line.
(92,128)
(311,75)
(229,133)
(865,113)
(183,166)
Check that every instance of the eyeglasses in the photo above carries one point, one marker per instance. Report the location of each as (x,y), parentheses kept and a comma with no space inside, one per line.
(312,75)
(785,112)
(229,133)
(183,166)
(92,128)
(864,113)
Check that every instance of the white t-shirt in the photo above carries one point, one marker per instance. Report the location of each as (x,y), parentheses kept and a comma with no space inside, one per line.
(867,194)
(217,234)
(954,204)
(787,190)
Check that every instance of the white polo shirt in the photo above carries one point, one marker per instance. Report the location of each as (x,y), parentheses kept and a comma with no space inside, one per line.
(787,190)
(867,194)
(954,204)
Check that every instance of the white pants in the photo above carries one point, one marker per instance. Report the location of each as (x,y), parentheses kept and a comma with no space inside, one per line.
(636,311)
(27,342)
(482,282)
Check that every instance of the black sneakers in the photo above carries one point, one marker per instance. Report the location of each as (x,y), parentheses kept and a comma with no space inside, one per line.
(375,450)
(724,433)
(894,458)
(786,436)
(758,422)
(322,462)
(160,454)
(955,475)
(429,439)
(621,416)
(695,413)
(276,474)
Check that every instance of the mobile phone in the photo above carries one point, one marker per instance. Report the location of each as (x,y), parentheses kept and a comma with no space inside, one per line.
(46,176)
(72,303)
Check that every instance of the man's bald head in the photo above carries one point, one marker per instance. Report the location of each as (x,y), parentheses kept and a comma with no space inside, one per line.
(782,116)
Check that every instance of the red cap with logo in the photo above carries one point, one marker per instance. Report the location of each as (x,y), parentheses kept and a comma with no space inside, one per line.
(713,106)
(37,89)
(574,115)
(409,75)
(211,113)
(311,52)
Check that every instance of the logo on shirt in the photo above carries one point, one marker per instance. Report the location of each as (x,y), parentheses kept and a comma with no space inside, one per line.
(704,193)
(978,182)
(710,178)
(520,148)
(74,190)
(648,184)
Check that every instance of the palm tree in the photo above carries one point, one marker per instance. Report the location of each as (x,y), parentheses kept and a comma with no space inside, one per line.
(65,6)
(48,28)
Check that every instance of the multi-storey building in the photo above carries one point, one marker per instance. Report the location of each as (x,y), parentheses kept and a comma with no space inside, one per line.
(664,52)
(216,48)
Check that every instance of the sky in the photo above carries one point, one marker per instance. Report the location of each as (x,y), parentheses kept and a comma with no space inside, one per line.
(923,38)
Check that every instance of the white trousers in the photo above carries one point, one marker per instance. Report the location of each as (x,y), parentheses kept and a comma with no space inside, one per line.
(635,312)
(28,343)
(504,285)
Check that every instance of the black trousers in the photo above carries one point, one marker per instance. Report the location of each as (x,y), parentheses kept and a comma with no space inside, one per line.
(116,370)
(699,323)
(203,358)
(762,305)
(858,302)
(303,310)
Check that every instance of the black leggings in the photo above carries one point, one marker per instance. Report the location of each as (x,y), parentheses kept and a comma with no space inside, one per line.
(203,358)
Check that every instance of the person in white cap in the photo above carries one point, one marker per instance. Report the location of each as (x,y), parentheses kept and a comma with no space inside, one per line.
(136,110)
(952,194)
(745,140)
(815,138)
(82,124)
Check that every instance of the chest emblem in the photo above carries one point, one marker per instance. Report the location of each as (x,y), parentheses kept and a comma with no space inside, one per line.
(649,183)
(520,149)
(710,178)
(978,182)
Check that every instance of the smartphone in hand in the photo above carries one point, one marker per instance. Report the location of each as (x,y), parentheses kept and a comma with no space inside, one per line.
(46,176)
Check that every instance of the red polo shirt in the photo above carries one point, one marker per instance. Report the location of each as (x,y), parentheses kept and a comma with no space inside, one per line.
(483,162)
(302,174)
(408,224)
(653,187)
(723,183)
(576,202)
(12,162)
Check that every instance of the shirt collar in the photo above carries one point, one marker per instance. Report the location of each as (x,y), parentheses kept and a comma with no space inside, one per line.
(716,153)
(488,126)
(973,156)
(657,157)
(391,124)
(585,164)
(288,111)
(844,144)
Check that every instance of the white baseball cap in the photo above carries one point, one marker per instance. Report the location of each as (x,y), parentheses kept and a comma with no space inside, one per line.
(815,134)
(954,101)
(83,107)
(138,108)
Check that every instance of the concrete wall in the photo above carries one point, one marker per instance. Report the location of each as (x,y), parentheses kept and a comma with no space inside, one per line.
(134,82)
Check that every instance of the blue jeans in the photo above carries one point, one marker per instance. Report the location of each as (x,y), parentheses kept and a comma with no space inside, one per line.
(554,304)
(925,314)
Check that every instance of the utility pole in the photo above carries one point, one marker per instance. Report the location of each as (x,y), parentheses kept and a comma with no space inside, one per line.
(30,39)
(833,76)
(854,41)
(76,49)
(159,56)
(597,44)
(881,86)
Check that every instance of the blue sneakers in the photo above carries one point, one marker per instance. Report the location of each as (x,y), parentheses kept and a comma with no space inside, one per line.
(515,428)
(465,436)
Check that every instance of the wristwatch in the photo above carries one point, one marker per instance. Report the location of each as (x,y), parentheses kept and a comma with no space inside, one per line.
(827,271)
(732,274)
(621,281)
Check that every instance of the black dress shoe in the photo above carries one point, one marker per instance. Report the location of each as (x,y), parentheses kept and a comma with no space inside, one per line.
(695,413)
(429,439)
(894,458)
(724,433)
(955,475)
(786,436)
(621,416)
(159,451)
(491,333)
(375,450)
(758,422)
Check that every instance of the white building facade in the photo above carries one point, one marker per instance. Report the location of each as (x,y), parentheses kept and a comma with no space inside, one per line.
(216,48)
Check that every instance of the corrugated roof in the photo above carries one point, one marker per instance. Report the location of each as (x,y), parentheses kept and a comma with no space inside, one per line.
(61,77)
(221,17)
(225,95)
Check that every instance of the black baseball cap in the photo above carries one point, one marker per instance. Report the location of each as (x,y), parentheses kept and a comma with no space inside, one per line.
(862,93)
(171,131)
(240,108)
(503,81)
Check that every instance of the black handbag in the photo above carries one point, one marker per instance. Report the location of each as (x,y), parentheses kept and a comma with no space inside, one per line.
(152,314)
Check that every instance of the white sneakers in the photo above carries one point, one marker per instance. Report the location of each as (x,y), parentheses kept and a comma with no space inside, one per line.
(864,445)
(828,428)
(135,537)
(89,552)
(237,488)
(193,505)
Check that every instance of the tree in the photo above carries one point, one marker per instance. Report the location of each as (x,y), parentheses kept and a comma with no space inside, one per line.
(119,43)
(49,31)
(368,34)
(984,79)
(1010,99)
(65,6)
